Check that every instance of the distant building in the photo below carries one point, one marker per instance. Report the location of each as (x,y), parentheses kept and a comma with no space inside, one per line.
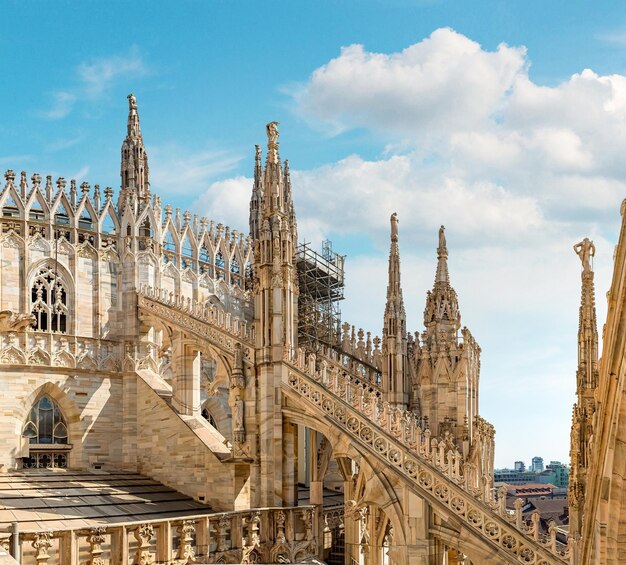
(537,464)
(520,466)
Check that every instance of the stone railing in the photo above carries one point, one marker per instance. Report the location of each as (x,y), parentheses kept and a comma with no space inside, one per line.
(433,469)
(197,317)
(267,535)
(359,372)
(27,347)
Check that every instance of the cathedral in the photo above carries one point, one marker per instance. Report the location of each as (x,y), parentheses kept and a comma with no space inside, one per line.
(176,391)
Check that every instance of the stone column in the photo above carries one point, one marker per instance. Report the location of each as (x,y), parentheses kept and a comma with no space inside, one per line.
(186,378)
(316,482)
(290,464)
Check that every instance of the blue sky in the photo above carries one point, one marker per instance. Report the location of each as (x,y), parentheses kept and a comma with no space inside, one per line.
(479,115)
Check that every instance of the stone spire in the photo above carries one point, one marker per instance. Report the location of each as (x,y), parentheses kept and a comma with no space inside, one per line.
(395,377)
(586,383)
(442,306)
(134,171)
(256,201)
(276,316)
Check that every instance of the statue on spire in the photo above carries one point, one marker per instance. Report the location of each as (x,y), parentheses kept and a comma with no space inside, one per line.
(272,134)
(585,249)
(394,226)
(442,238)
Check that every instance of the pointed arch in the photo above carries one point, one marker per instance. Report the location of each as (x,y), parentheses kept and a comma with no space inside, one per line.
(37,207)
(86,216)
(109,223)
(62,210)
(72,446)
(188,250)
(12,206)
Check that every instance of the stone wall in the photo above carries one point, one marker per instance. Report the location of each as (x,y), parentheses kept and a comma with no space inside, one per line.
(178,453)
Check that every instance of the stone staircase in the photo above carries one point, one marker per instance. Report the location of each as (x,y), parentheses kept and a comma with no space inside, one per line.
(430,469)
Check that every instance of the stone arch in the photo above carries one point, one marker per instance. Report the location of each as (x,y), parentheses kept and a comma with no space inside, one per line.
(70,412)
(379,489)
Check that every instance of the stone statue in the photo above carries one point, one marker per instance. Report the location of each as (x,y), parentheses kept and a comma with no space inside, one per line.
(132,102)
(272,133)
(585,249)
(238,415)
(394,227)
(442,237)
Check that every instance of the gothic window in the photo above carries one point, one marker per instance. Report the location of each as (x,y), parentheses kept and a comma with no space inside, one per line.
(219,265)
(209,418)
(47,435)
(49,301)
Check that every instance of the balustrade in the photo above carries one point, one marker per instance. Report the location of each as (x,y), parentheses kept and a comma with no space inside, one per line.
(204,312)
(432,467)
(269,533)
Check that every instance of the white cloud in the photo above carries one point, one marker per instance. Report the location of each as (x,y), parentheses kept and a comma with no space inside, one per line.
(227,202)
(445,81)
(62,105)
(96,76)
(179,170)
(92,80)
(517,171)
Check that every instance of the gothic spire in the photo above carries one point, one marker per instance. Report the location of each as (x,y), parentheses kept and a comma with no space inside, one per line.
(394,290)
(134,171)
(442,307)
(586,384)
(256,201)
(276,197)
(587,374)
(395,378)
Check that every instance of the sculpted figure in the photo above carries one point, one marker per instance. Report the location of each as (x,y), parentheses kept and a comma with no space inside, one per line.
(442,237)
(585,249)
(238,415)
(272,132)
(394,227)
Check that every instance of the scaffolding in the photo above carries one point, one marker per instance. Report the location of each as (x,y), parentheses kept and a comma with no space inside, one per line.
(321,282)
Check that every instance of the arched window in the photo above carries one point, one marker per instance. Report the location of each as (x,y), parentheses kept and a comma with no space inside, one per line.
(209,418)
(47,436)
(49,301)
